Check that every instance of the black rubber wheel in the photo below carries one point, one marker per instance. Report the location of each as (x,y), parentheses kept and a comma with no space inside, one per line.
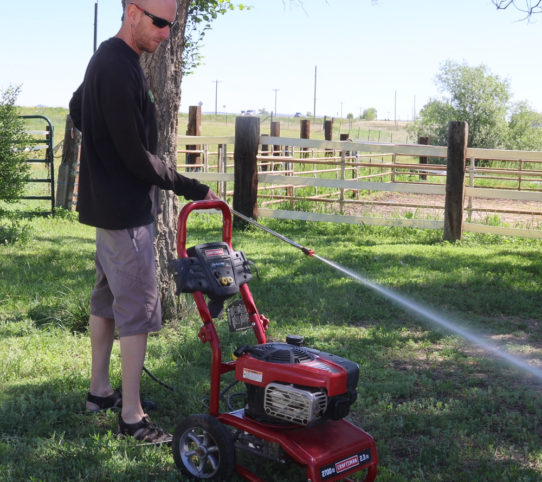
(203,448)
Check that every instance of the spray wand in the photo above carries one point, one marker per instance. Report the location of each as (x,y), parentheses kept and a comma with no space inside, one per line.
(307,251)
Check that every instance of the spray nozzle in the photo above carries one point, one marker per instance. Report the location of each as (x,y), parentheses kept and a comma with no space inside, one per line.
(307,251)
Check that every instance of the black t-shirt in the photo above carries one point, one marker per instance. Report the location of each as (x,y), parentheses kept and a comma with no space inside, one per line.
(114,109)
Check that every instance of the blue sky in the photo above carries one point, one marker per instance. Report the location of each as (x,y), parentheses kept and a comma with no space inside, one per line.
(384,56)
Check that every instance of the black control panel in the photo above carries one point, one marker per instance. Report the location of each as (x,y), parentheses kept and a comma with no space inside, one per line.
(214,269)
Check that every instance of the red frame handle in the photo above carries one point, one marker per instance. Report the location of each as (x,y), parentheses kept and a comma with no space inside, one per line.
(208,332)
(202,205)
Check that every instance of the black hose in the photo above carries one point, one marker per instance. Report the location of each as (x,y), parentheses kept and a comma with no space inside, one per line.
(169,387)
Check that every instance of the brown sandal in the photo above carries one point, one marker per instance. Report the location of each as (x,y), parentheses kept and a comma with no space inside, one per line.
(145,431)
(111,402)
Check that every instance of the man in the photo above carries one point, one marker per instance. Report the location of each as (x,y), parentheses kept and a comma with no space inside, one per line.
(114,109)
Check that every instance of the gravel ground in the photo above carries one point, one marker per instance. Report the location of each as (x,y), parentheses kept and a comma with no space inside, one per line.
(527,214)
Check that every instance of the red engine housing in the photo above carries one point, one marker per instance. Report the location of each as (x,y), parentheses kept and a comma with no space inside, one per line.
(303,379)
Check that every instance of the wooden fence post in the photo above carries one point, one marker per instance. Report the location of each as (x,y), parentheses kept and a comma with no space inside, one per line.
(305,134)
(424,140)
(328,130)
(265,152)
(344,155)
(67,171)
(458,133)
(328,134)
(472,168)
(222,168)
(245,193)
(193,129)
(275,132)
(347,155)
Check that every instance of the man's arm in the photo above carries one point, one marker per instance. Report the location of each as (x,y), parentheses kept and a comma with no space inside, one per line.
(120,100)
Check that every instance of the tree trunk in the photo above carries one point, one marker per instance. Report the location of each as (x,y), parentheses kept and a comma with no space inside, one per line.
(163,72)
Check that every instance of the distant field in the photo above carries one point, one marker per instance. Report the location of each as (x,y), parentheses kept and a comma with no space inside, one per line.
(224,125)
(376,131)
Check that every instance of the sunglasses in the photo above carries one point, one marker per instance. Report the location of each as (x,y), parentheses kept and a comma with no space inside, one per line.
(156,21)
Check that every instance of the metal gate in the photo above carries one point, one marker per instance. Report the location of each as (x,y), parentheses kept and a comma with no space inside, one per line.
(41,146)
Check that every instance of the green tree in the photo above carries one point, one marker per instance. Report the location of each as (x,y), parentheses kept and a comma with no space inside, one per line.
(433,122)
(524,129)
(14,170)
(472,94)
(369,114)
(200,15)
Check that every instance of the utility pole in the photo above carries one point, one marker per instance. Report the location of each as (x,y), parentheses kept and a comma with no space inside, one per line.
(314,108)
(216,95)
(395,110)
(275,111)
(95,24)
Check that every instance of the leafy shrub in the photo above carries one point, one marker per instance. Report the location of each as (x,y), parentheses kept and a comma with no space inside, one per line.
(14,170)
(62,213)
(13,230)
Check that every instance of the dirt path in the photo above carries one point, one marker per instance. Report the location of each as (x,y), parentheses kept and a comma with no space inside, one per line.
(393,206)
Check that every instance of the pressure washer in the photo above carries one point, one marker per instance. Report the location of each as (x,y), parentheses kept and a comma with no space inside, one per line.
(296,397)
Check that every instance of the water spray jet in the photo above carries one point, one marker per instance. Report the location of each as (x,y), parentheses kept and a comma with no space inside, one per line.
(409,305)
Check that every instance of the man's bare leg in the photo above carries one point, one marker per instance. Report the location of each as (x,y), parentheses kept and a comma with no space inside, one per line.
(102,332)
(132,349)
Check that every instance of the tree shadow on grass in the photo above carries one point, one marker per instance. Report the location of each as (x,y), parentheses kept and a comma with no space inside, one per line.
(48,435)
(480,292)
(49,286)
(442,417)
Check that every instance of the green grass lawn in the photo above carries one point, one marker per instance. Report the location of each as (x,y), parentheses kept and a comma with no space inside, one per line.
(439,408)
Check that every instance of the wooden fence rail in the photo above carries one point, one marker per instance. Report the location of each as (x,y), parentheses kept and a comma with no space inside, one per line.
(322,171)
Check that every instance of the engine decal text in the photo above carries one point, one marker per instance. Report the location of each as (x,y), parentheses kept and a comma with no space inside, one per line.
(345,465)
(253,375)
(214,252)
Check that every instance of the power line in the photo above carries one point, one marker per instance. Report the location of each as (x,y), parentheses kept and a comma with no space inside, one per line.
(216,82)
(314,107)
(275,90)
(95,24)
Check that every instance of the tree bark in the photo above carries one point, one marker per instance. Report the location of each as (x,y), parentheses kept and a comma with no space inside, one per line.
(67,171)
(163,70)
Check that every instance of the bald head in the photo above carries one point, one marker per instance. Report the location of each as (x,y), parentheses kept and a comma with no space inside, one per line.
(146,23)
(150,4)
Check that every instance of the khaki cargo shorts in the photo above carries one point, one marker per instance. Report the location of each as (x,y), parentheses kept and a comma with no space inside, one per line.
(126,288)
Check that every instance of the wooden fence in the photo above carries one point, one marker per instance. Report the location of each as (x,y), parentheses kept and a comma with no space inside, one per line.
(337,181)
(334,175)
